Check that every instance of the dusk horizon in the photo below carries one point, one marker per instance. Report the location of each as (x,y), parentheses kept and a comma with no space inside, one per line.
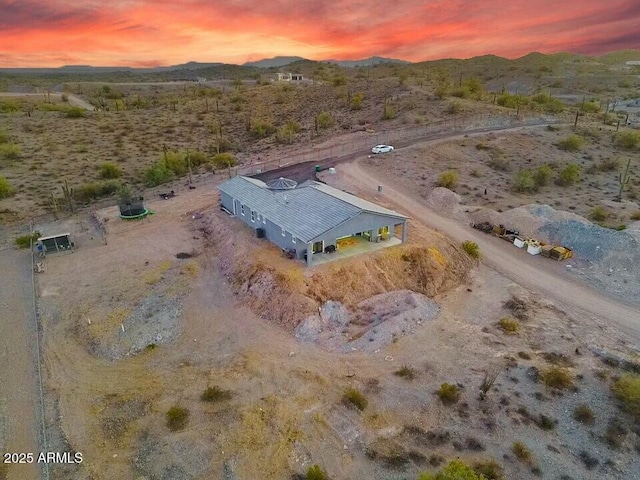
(142,33)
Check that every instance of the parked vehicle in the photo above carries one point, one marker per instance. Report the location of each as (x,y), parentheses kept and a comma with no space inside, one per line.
(382,149)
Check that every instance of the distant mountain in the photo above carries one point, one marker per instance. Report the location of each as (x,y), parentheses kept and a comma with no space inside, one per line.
(273,62)
(365,62)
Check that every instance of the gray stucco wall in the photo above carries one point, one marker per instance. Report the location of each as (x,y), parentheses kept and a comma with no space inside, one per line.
(272,231)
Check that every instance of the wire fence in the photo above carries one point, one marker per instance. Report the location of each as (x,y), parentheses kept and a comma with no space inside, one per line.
(354,143)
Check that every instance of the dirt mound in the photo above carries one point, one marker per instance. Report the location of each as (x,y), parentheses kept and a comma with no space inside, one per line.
(285,292)
(445,201)
(374,323)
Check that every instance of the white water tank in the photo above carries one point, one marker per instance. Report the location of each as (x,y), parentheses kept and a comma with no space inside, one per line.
(332,170)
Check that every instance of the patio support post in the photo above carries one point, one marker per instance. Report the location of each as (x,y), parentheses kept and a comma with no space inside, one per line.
(309,254)
(404,232)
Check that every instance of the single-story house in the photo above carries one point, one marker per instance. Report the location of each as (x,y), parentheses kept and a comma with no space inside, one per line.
(310,217)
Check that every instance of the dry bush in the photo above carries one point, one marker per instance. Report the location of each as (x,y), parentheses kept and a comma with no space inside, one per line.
(448,393)
(471,248)
(315,472)
(489,469)
(177,418)
(522,452)
(6,190)
(509,326)
(518,307)
(558,378)
(584,414)
(215,394)
(355,398)
(448,179)
(635,215)
(406,372)
(572,143)
(627,391)
(599,214)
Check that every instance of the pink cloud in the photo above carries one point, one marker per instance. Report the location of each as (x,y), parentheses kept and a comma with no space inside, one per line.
(142,32)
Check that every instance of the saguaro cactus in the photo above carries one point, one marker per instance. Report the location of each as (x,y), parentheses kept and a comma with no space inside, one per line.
(68,196)
(623,180)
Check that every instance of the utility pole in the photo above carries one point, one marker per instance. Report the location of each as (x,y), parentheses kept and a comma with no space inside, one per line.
(189,164)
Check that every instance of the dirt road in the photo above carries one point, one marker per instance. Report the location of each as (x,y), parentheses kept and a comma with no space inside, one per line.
(73,100)
(522,270)
(18,386)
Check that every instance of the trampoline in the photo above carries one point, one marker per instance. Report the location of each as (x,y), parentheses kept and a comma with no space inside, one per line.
(133,209)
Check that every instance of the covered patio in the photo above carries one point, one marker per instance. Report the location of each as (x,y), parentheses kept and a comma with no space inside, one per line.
(357,246)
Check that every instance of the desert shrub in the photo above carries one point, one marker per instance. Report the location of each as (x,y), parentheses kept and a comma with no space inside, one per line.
(569,174)
(583,414)
(223,160)
(406,372)
(635,215)
(471,248)
(197,158)
(356,101)
(627,391)
(511,101)
(388,112)
(158,174)
(315,472)
(572,143)
(448,393)
(6,190)
(607,165)
(599,214)
(261,128)
(286,132)
(177,418)
(9,106)
(558,378)
(454,470)
(355,398)
(545,423)
(489,469)
(615,434)
(4,138)
(9,151)
(621,227)
(448,179)
(176,162)
(454,107)
(542,175)
(589,461)
(75,112)
(509,326)
(24,241)
(590,107)
(215,394)
(628,139)
(524,182)
(324,120)
(95,190)
(110,170)
(461,92)
(499,162)
(522,452)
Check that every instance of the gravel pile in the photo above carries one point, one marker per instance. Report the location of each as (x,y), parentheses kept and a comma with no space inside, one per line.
(605,258)
(445,201)
(592,242)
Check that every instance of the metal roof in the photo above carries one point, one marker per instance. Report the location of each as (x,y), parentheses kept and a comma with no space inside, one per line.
(307,211)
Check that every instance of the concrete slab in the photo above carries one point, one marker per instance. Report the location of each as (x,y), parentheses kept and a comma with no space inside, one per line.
(363,246)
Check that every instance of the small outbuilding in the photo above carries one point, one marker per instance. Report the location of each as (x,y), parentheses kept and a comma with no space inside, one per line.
(313,220)
(55,243)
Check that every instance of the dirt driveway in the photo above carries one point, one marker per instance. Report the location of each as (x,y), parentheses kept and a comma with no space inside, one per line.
(522,269)
(18,387)
(73,100)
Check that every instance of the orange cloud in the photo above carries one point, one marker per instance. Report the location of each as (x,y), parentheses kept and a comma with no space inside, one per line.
(143,32)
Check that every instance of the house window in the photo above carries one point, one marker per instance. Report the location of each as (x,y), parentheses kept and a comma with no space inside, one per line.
(253,216)
(284,232)
(293,239)
(264,220)
(242,209)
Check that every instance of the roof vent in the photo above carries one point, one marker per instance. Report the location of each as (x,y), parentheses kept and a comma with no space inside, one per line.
(281,184)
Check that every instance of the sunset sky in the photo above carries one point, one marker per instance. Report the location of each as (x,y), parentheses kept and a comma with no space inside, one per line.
(138,33)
